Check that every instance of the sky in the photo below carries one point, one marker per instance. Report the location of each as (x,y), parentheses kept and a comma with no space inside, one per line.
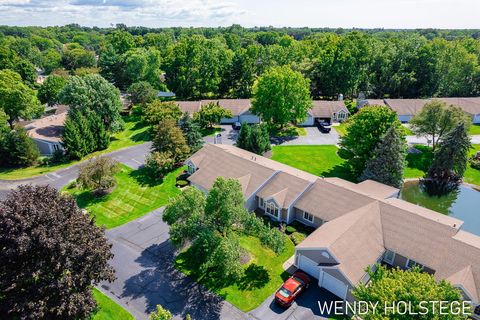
(454,14)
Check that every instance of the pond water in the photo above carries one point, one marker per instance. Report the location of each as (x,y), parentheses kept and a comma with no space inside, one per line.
(463,204)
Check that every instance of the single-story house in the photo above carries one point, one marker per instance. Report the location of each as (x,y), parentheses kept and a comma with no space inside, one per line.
(407,108)
(47,132)
(240,109)
(358,225)
(330,111)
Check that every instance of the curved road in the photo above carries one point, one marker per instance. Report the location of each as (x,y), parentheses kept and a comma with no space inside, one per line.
(133,157)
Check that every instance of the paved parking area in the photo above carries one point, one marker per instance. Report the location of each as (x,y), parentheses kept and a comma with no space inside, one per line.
(313,137)
(305,308)
(227,136)
(146,276)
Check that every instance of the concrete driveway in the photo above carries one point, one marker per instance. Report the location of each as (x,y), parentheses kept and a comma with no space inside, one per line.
(305,308)
(227,136)
(313,137)
(146,276)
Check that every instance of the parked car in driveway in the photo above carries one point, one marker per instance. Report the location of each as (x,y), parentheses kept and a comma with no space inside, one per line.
(292,288)
(236,125)
(324,126)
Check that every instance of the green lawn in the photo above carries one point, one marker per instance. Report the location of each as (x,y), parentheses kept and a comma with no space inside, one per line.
(107,309)
(135,133)
(265,274)
(318,160)
(341,129)
(135,195)
(324,161)
(474,129)
(208,132)
(289,131)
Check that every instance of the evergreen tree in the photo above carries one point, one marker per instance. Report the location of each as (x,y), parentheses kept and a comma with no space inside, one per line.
(243,140)
(17,149)
(98,130)
(259,141)
(388,160)
(191,132)
(86,133)
(449,162)
(169,138)
(72,139)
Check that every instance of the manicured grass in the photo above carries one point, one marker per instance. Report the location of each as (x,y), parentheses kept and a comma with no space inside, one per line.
(265,274)
(417,165)
(341,129)
(208,132)
(289,131)
(407,131)
(135,133)
(107,309)
(474,129)
(318,160)
(324,161)
(135,195)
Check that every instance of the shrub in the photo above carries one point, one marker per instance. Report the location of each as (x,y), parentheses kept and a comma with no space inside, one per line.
(98,174)
(182,183)
(17,149)
(290,229)
(297,237)
(159,163)
(475,162)
(160,314)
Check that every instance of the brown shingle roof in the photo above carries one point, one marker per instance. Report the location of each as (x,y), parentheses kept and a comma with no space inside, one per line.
(375,102)
(236,106)
(329,201)
(325,109)
(188,106)
(355,239)
(284,188)
(363,221)
(48,128)
(406,106)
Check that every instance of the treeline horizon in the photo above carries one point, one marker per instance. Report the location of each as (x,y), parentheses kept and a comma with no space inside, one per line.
(225,62)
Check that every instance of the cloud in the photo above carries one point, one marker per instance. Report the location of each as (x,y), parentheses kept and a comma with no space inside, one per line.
(130,12)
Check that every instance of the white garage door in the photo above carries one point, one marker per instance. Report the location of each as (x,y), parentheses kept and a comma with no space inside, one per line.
(249,118)
(309,266)
(334,285)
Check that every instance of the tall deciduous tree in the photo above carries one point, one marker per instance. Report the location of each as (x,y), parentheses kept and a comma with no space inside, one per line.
(94,93)
(211,222)
(449,162)
(364,131)
(281,96)
(437,119)
(141,93)
(196,66)
(388,159)
(157,111)
(211,114)
(169,138)
(52,253)
(17,100)
(392,285)
(50,89)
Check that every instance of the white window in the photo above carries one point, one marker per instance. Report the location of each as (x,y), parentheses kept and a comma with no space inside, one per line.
(56,147)
(412,263)
(271,209)
(260,202)
(307,216)
(342,115)
(389,256)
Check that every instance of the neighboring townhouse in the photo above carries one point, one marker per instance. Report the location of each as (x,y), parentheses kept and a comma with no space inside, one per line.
(322,110)
(358,225)
(329,111)
(47,132)
(407,108)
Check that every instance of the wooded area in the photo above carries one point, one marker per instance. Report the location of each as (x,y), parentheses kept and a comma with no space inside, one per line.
(225,62)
